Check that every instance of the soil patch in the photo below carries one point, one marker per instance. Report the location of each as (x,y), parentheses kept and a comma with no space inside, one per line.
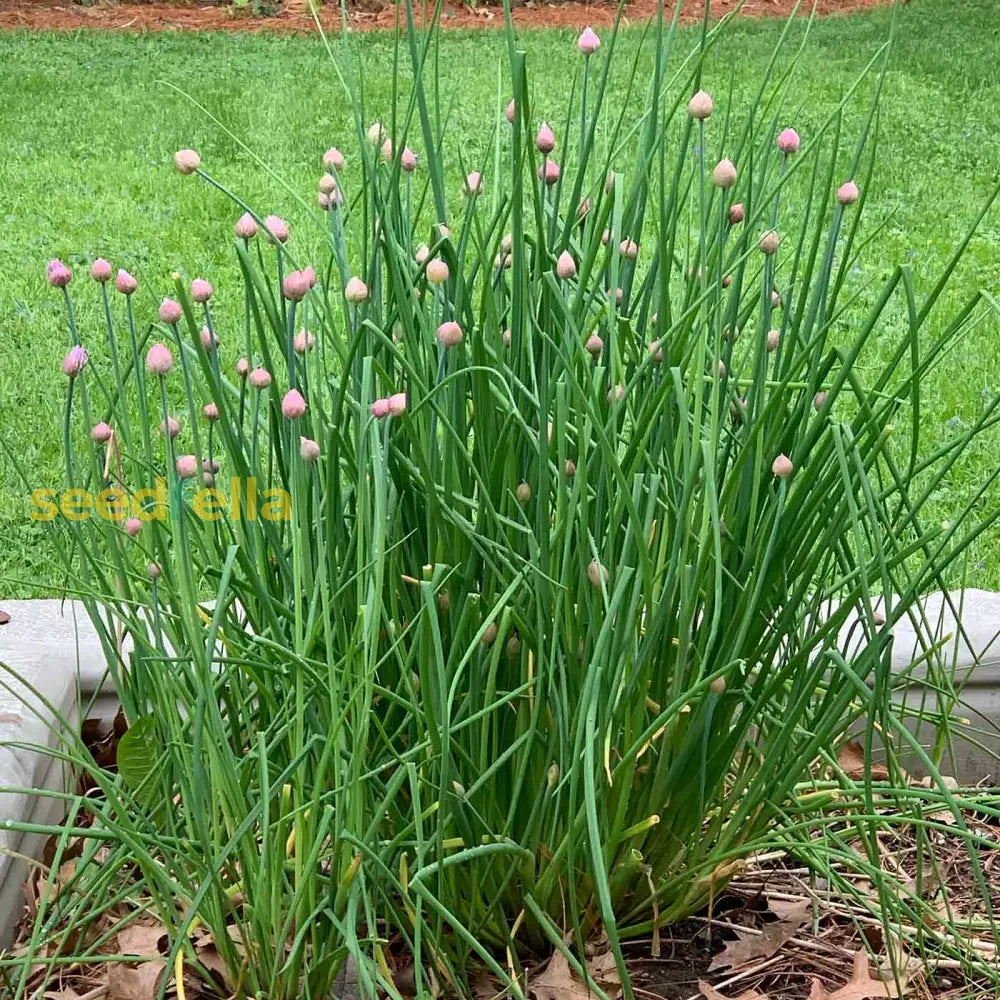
(58,15)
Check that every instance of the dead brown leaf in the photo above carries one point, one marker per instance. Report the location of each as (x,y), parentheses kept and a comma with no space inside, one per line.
(134,984)
(557,982)
(142,940)
(711,993)
(751,947)
(860,986)
(852,762)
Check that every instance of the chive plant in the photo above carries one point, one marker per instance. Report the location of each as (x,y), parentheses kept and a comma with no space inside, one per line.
(520,575)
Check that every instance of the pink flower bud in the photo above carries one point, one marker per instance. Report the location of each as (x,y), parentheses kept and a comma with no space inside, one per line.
(700,106)
(293,406)
(848,194)
(782,467)
(545,140)
(788,141)
(570,468)
(588,42)
(328,183)
(437,271)
(727,281)
(773,339)
(133,526)
(616,393)
(656,352)
(101,434)
(308,449)
(397,404)
(295,285)
(275,229)
(75,361)
(376,133)
(304,341)
(201,290)
(170,312)
(170,427)
(507,337)
(565,265)
(100,270)
(736,213)
(260,378)
(246,227)
(125,283)
(153,570)
(629,249)
(596,574)
(775,299)
(356,291)
(473,184)
(423,252)
(209,341)
(549,172)
(159,360)
(819,399)
(333,157)
(210,412)
(523,492)
(449,334)
(408,160)
(242,367)
(59,275)
(187,161)
(594,345)
(724,174)
(444,231)
(380,409)
(210,466)
(770,242)
(511,111)
(619,296)
(584,210)
(387,150)
(187,466)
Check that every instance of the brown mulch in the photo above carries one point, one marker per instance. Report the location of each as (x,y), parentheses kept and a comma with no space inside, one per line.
(61,15)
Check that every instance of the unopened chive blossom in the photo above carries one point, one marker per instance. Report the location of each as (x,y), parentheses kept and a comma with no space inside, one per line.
(545,141)
(187,466)
(376,134)
(629,249)
(782,467)
(260,378)
(565,265)
(101,433)
(588,42)
(549,172)
(437,271)
(769,242)
(449,334)
(773,339)
(356,291)
(170,427)
(308,450)
(201,290)
(125,283)
(296,285)
(387,150)
(775,299)
(100,270)
(594,344)
(397,404)
(275,229)
(423,252)
(246,227)
(153,571)
(700,106)
(74,362)
(187,161)
(523,492)
(473,184)
(736,213)
(408,160)
(380,408)
(293,406)
(847,193)
(58,274)
(159,360)
(597,574)
(133,526)
(210,412)
(788,141)
(170,312)
(242,367)
(209,341)
(328,183)
(724,174)
(511,111)
(333,158)
(304,341)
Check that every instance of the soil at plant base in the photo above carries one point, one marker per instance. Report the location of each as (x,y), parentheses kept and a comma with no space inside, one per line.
(294,17)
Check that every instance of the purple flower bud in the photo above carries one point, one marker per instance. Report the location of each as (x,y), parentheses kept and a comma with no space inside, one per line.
(171,426)
(293,406)
(133,526)
(242,368)
(549,172)
(246,227)
(304,341)
(308,449)
(629,249)
(511,111)
(295,285)
(100,270)
(545,140)
(736,213)
(848,194)
(788,141)
(449,334)
(101,433)
(125,283)
(187,161)
(187,466)
(159,360)
(782,467)
(700,106)
(59,275)
(473,184)
(397,404)
(724,174)
(333,157)
(201,290)
(209,341)
(260,378)
(770,242)
(408,160)
(423,252)
(170,312)
(588,42)
(380,408)
(594,345)
(356,291)
(75,362)
(210,412)
(275,229)
(565,266)
(153,570)
(596,574)
(773,339)
(437,271)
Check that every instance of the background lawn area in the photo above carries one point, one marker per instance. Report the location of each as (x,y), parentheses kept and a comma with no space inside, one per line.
(90,122)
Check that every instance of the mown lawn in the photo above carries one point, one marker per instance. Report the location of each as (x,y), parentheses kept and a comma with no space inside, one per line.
(90,122)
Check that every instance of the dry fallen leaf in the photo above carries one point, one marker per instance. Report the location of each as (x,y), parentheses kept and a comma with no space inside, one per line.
(750,947)
(142,940)
(711,993)
(852,762)
(134,984)
(557,982)
(861,986)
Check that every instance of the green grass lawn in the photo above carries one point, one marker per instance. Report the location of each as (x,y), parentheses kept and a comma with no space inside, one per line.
(90,122)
